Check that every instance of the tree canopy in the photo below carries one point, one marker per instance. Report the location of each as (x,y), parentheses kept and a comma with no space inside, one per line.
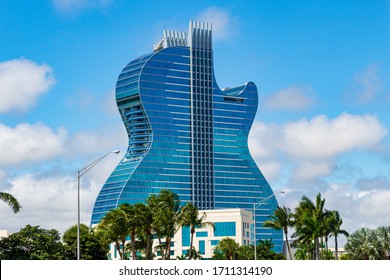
(93,245)
(32,243)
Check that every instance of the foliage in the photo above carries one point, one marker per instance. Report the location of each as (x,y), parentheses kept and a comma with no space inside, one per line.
(144,214)
(193,254)
(327,255)
(161,216)
(32,243)
(335,229)
(310,222)
(281,220)
(313,225)
(304,252)
(189,217)
(228,247)
(11,201)
(264,251)
(181,258)
(115,227)
(93,245)
(369,244)
(165,211)
(218,255)
(245,252)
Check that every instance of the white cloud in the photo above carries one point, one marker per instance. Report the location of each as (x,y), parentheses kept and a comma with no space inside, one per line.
(92,142)
(321,138)
(22,82)
(308,170)
(222,22)
(368,208)
(50,201)
(360,208)
(378,204)
(28,143)
(75,6)
(294,97)
(311,147)
(36,143)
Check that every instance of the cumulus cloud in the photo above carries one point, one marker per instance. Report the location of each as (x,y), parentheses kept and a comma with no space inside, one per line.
(50,201)
(320,137)
(92,142)
(366,207)
(309,170)
(49,195)
(293,97)
(358,208)
(28,143)
(223,23)
(75,6)
(311,146)
(22,82)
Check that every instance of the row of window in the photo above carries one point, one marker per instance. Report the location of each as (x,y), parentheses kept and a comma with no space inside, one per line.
(222,229)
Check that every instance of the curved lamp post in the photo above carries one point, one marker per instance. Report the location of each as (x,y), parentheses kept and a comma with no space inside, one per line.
(80,173)
(255,206)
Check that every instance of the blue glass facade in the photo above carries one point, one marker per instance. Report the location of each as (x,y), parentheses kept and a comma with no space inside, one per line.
(186,134)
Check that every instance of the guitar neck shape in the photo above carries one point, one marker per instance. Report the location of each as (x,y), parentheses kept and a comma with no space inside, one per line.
(185,133)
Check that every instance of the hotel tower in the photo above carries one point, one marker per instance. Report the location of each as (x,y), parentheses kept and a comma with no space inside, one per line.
(186,134)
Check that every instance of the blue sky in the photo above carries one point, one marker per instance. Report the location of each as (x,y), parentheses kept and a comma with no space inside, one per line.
(321,67)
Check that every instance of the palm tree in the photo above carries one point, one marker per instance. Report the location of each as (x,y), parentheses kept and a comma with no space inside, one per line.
(181,258)
(133,225)
(336,230)
(145,217)
(11,201)
(228,246)
(309,222)
(302,253)
(166,209)
(281,220)
(383,242)
(189,217)
(369,244)
(196,255)
(360,246)
(115,225)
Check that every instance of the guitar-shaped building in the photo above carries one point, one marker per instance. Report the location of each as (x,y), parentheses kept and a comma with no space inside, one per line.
(186,134)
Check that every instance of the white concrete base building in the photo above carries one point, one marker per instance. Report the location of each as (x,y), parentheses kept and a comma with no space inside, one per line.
(236,224)
(3,233)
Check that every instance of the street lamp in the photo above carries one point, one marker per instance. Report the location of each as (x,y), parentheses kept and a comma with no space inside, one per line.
(256,205)
(80,173)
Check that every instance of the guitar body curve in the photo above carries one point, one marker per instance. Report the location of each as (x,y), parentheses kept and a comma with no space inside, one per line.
(186,135)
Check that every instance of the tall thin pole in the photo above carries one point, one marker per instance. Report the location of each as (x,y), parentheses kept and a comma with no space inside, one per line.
(78,215)
(80,173)
(255,205)
(254,229)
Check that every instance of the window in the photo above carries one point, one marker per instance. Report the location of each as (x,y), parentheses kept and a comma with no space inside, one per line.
(225,229)
(202,247)
(186,239)
(202,234)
